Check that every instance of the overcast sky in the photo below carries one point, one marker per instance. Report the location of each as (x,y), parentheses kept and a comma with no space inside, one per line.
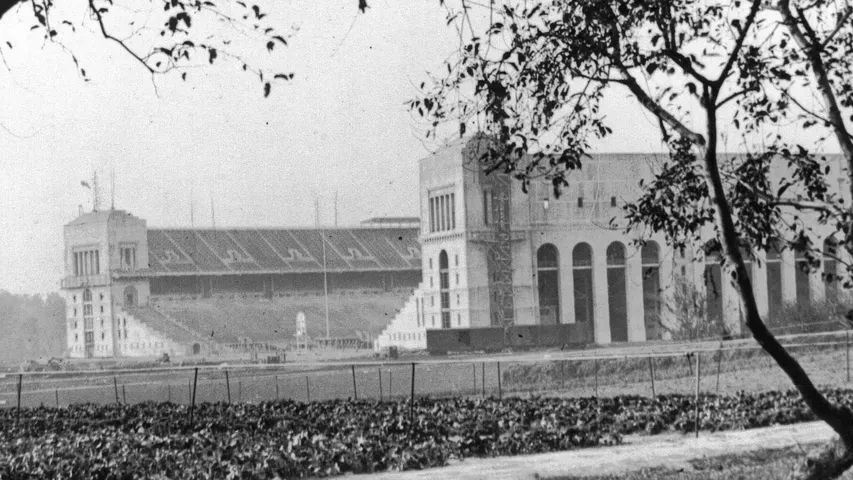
(341,125)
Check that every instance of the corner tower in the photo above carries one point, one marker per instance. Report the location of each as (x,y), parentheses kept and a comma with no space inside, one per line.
(106,259)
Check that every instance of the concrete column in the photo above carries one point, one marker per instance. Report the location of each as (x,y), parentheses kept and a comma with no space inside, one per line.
(845,295)
(816,286)
(601,308)
(634,291)
(567,286)
(759,284)
(789,277)
(731,300)
(668,273)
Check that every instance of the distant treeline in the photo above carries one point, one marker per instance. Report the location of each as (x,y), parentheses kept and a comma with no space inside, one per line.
(32,327)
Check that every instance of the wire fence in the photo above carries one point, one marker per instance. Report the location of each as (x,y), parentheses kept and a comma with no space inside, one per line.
(686,369)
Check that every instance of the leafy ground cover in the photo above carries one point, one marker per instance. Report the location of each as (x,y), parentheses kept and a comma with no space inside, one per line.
(294,439)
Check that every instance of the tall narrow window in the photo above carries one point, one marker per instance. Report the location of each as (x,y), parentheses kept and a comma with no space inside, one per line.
(444,288)
(487,206)
(617,292)
(442,214)
(548,278)
(453,211)
(583,290)
(431,215)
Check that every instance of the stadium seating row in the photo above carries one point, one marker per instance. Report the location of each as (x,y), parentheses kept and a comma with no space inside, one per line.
(282,250)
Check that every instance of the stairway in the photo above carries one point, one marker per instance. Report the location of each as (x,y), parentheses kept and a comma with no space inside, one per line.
(403,331)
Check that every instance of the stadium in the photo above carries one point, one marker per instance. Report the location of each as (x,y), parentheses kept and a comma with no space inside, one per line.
(484,266)
(203,290)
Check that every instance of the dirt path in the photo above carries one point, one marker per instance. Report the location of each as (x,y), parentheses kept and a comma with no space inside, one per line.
(670,450)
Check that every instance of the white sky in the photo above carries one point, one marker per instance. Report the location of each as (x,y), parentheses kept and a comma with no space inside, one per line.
(341,125)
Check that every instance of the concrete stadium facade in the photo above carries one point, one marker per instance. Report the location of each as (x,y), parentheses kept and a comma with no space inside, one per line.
(571,260)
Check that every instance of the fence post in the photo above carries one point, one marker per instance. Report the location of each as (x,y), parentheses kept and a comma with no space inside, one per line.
(115,386)
(307,389)
(192,402)
(483,379)
(354,387)
(689,364)
(412,403)
(652,374)
(390,385)
(474,369)
(596,378)
(228,386)
(56,394)
(123,394)
(719,364)
(500,394)
(20,387)
(848,356)
(169,392)
(698,379)
(277,396)
(380,384)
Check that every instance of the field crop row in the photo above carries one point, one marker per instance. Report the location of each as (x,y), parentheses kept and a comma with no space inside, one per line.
(292,439)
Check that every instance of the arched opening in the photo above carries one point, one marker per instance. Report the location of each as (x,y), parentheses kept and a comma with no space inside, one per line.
(583,287)
(196,349)
(548,278)
(130,296)
(650,259)
(713,276)
(774,280)
(830,272)
(802,279)
(444,288)
(617,292)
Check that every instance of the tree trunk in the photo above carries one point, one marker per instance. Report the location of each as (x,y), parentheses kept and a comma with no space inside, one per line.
(840,419)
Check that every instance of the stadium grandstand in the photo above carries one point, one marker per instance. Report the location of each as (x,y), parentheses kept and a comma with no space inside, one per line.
(135,291)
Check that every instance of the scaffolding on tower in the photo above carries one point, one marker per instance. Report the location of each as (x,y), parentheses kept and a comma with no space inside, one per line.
(498,241)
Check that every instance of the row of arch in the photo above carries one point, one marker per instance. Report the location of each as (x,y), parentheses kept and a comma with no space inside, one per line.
(548,279)
(773,266)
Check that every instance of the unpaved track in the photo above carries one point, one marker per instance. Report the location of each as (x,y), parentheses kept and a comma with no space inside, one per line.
(669,450)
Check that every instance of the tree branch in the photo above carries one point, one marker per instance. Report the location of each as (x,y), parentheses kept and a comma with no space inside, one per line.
(837,29)
(106,35)
(735,95)
(660,112)
(809,43)
(750,19)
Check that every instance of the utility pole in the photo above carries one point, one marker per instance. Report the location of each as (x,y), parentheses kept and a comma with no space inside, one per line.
(325,272)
